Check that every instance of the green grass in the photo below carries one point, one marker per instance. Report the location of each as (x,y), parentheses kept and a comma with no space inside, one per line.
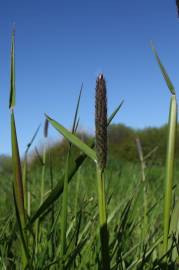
(83,214)
(125,218)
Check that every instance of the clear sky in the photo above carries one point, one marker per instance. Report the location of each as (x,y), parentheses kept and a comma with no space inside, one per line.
(62,43)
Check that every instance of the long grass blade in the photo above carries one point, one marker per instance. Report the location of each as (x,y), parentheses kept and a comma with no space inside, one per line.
(64,216)
(12,97)
(25,184)
(57,191)
(172,127)
(18,187)
(73,139)
(75,121)
(164,73)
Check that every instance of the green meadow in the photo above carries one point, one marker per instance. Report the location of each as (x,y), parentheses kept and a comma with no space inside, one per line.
(108,201)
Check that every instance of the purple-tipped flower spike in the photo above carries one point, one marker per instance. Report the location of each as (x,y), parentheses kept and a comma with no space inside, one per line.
(101,122)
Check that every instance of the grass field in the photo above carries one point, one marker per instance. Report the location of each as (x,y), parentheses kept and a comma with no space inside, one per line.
(132,239)
(84,213)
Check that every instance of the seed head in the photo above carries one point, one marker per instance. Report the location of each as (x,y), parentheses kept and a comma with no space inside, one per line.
(101,122)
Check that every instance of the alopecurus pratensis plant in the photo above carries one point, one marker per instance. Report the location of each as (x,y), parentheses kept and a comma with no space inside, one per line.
(101,154)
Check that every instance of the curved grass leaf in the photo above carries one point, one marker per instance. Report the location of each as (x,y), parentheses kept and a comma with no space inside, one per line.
(164,73)
(57,191)
(73,139)
(172,127)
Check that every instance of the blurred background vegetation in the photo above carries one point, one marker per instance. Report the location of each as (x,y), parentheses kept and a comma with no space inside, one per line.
(121,146)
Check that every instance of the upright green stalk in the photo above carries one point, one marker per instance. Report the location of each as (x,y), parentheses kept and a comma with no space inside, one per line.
(65,189)
(52,242)
(142,162)
(64,210)
(77,190)
(44,161)
(172,127)
(38,227)
(24,177)
(26,185)
(101,153)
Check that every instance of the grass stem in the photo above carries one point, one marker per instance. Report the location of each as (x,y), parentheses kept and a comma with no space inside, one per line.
(104,237)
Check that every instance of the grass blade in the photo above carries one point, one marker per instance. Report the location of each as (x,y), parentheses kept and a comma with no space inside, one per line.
(64,217)
(73,139)
(115,112)
(57,191)
(25,184)
(33,138)
(164,73)
(12,99)
(172,126)
(18,186)
(75,121)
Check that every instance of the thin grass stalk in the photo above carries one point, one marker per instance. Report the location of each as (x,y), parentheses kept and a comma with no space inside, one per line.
(172,126)
(26,185)
(43,175)
(104,237)
(143,166)
(44,161)
(44,154)
(62,247)
(52,243)
(77,190)
(24,177)
(44,157)
(64,211)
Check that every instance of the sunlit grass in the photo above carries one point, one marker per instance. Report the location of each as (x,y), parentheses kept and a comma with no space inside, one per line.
(90,211)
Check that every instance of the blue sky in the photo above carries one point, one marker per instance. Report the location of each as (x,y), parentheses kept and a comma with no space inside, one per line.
(62,43)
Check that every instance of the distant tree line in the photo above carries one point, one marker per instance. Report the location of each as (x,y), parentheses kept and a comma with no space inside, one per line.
(121,146)
(122,142)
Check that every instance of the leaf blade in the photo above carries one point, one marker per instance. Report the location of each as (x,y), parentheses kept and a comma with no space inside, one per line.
(73,139)
(12,98)
(164,72)
(58,189)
